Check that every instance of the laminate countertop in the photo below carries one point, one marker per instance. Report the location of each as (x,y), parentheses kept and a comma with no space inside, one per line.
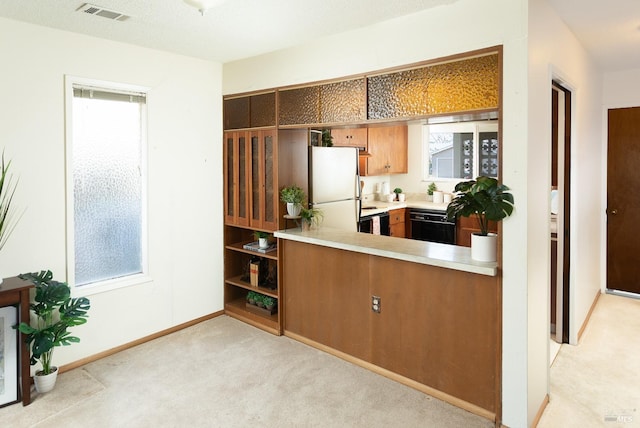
(429,253)
(378,207)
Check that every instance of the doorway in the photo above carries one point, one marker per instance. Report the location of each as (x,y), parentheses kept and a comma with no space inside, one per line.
(560,213)
(623,155)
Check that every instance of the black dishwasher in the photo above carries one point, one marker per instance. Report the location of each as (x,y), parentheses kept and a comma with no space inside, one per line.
(366,223)
(433,226)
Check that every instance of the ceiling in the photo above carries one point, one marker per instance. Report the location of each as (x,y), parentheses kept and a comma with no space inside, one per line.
(235,29)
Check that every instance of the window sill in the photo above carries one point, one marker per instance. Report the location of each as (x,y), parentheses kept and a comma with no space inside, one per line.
(111,284)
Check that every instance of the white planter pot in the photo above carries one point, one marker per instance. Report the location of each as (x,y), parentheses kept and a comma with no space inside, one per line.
(483,248)
(263,242)
(401,197)
(45,383)
(438,197)
(293,209)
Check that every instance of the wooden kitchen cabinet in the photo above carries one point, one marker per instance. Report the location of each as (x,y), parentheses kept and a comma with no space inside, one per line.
(264,194)
(466,226)
(351,137)
(257,163)
(388,146)
(237,165)
(250,179)
(397,223)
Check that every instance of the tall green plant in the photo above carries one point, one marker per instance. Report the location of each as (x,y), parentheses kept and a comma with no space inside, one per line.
(483,198)
(7,190)
(56,311)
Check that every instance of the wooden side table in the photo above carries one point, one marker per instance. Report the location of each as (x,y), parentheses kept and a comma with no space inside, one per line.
(15,291)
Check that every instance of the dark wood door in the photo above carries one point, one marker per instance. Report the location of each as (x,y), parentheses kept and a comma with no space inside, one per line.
(623,204)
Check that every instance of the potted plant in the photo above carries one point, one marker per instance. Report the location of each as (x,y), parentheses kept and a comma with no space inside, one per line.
(430,189)
(262,237)
(327,138)
(251,297)
(293,197)
(399,194)
(311,217)
(487,200)
(55,312)
(7,190)
(269,302)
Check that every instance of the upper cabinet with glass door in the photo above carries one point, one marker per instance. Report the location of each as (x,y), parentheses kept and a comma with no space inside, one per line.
(461,151)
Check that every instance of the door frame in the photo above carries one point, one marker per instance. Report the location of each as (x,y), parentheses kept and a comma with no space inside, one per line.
(566,209)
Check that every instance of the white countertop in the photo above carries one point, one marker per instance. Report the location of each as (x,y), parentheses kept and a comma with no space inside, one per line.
(382,207)
(429,253)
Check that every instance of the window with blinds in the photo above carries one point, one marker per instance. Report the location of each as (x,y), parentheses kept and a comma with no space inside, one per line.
(107,182)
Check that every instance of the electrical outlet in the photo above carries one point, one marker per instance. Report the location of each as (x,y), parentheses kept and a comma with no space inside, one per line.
(376,303)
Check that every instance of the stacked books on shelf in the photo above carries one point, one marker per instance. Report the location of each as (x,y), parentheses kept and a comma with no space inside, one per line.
(253,246)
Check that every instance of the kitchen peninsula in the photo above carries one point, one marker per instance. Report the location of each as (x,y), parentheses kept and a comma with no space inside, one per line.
(421,313)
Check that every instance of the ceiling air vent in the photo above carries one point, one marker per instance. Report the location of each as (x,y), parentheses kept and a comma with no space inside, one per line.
(92,9)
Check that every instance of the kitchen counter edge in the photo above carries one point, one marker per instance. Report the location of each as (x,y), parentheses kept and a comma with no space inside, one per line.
(428,253)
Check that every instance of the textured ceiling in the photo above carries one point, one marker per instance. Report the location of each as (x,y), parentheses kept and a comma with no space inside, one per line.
(235,29)
(230,30)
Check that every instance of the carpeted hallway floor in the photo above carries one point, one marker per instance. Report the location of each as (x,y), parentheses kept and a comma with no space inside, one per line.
(224,373)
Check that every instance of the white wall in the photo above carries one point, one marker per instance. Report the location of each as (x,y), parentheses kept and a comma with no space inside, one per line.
(621,89)
(460,27)
(185,179)
(554,53)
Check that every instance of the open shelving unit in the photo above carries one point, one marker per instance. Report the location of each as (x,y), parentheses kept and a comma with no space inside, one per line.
(237,284)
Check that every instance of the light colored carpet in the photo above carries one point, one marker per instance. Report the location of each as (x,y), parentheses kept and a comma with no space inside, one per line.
(224,373)
(597,382)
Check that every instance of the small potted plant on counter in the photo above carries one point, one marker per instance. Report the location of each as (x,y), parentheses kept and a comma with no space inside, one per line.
(293,197)
(487,200)
(55,312)
(399,195)
(430,189)
(311,217)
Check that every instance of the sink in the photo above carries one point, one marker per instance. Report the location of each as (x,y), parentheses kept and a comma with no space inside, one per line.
(369,208)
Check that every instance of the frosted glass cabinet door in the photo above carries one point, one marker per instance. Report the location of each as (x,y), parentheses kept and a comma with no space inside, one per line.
(236,170)
(264,186)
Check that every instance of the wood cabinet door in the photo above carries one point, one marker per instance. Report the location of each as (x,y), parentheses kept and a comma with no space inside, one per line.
(236,178)
(397,223)
(388,148)
(351,137)
(466,226)
(263,180)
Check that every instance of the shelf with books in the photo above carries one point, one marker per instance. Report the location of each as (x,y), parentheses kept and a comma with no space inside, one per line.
(241,257)
(239,246)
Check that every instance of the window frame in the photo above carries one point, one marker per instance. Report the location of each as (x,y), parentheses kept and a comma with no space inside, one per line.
(128,280)
(475,127)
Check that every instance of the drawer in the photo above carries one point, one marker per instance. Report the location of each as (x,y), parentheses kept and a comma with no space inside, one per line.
(396,216)
(397,230)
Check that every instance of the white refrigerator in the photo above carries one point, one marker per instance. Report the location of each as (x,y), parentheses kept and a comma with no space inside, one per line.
(334,186)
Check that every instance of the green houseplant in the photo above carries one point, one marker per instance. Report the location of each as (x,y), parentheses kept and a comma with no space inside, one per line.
(7,190)
(310,217)
(262,237)
(293,197)
(55,312)
(487,200)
